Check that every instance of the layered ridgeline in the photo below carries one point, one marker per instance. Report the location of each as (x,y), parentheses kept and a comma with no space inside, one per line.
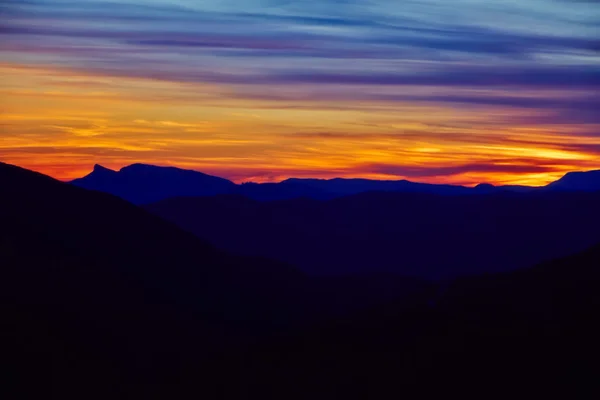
(528,333)
(101,299)
(142,184)
(95,290)
(342,226)
(411,234)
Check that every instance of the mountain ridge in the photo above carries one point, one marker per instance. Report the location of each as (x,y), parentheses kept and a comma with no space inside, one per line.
(100,299)
(586,181)
(393,232)
(146,183)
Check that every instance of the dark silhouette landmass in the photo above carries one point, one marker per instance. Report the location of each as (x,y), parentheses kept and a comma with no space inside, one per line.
(578,181)
(527,334)
(100,286)
(422,235)
(143,184)
(101,299)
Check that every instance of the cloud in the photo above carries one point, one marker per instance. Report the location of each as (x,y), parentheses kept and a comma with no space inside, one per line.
(160,24)
(227,43)
(433,171)
(469,76)
(356,71)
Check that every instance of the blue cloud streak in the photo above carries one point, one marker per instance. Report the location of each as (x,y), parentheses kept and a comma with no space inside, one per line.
(338,43)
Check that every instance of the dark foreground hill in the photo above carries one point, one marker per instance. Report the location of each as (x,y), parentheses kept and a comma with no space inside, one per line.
(530,333)
(423,235)
(103,300)
(94,289)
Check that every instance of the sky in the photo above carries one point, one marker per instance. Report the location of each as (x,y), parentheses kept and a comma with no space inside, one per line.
(463,91)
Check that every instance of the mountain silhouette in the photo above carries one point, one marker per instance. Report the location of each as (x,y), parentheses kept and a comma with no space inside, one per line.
(338,187)
(578,181)
(532,332)
(143,184)
(95,291)
(101,299)
(140,183)
(396,232)
(94,288)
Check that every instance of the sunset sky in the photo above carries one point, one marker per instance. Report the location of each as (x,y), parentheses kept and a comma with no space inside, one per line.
(463,91)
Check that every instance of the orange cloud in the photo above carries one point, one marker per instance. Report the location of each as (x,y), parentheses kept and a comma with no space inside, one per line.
(61,123)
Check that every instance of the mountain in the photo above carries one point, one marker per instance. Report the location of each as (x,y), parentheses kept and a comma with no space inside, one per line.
(140,183)
(101,299)
(281,191)
(339,187)
(396,232)
(532,332)
(486,188)
(578,181)
(143,184)
(95,290)
(98,293)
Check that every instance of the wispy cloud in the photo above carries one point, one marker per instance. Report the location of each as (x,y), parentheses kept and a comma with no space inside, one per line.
(282,88)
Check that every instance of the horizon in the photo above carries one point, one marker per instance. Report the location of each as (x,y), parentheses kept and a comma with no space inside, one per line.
(463,93)
(240,182)
(240,177)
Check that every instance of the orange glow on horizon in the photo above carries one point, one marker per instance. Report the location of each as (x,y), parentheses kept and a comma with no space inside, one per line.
(62,122)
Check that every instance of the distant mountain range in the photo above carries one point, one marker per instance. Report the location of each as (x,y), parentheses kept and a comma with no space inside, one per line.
(143,184)
(340,226)
(101,299)
(396,232)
